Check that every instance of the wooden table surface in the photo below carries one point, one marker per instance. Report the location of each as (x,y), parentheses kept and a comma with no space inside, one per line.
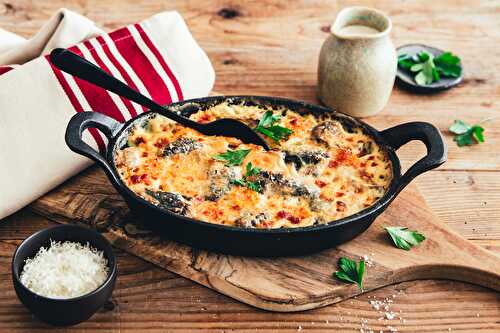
(271,48)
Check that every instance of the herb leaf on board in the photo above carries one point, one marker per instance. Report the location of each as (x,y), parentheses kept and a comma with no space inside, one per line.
(404,238)
(232,157)
(465,134)
(350,272)
(267,127)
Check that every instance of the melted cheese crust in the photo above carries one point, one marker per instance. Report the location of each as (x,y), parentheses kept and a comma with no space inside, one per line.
(321,173)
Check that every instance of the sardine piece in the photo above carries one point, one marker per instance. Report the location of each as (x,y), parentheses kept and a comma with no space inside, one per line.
(173,202)
(286,186)
(220,181)
(249,220)
(181,146)
(130,156)
(327,132)
(305,157)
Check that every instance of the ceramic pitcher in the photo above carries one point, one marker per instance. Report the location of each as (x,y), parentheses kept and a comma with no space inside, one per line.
(357,63)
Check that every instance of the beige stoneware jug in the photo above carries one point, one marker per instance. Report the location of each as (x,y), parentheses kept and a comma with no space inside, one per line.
(357,63)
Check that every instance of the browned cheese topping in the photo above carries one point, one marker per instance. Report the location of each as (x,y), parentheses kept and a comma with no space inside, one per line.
(320,173)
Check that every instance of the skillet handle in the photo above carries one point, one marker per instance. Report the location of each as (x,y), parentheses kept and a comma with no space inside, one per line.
(80,122)
(399,135)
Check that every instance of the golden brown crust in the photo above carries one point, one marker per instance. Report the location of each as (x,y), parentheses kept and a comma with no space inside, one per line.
(319,174)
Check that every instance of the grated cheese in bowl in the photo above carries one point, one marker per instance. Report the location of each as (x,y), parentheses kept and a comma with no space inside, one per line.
(65,270)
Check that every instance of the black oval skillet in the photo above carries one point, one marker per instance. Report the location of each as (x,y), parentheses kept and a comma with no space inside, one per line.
(257,242)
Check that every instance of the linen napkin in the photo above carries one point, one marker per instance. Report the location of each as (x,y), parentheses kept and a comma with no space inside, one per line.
(158,57)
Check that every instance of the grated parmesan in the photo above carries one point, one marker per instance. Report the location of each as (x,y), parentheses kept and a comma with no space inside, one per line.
(65,270)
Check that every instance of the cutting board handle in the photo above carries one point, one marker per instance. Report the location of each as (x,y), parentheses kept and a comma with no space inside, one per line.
(489,278)
(447,255)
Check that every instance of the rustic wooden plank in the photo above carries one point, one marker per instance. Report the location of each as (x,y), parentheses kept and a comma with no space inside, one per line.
(152,299)
(26,222)
(21,224)
(281,284)
(467,201)
(279,56)
(282,38)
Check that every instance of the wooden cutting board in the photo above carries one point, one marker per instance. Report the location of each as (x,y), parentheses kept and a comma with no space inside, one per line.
(282,284)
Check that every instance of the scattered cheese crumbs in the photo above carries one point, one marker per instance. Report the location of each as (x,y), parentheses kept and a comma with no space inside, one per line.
(364,327)
(65,270)
(383,307)
(390,315)
(368,261)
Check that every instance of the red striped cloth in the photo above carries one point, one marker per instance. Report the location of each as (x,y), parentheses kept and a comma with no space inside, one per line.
(158,57)
(5,69)
(130,55)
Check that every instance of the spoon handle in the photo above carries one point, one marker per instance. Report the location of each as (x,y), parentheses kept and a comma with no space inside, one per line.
(73,64)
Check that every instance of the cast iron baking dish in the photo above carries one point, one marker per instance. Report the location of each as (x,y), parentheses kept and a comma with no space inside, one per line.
(257,242)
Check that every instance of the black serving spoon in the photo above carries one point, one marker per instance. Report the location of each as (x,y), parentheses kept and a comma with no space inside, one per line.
(73,64)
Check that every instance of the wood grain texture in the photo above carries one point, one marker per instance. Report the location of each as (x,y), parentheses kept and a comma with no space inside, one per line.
(150,299)
(467,201)
(282,284)
(270,47)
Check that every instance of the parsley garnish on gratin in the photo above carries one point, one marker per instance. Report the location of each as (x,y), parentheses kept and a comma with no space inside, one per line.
(250,171)
(267,127)
(232,157)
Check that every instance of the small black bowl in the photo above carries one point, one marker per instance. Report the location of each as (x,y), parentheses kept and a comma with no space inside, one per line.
(71,311)
(406,79)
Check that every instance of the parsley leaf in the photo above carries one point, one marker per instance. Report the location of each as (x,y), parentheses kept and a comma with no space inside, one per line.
(428,68)
(268,119)
(459,127)
(249,172)
(240,182)
(405,61)
(267,127)
(254,186)
(232,157)
(465,134)
(349,272)
(403,238)
(448,64)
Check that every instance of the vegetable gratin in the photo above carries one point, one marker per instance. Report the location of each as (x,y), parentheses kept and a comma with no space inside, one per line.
(318,170)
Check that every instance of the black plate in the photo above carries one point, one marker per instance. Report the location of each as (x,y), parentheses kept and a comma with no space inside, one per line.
(257,242)
(406,79)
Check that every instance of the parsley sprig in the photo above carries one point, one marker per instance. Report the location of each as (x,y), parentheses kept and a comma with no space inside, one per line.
(232,157)
(249,172)
(465,134)
(404,238)
(428,68)
(267,127)
(350,272)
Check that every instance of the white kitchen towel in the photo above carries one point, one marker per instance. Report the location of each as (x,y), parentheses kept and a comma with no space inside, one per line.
(158,57)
